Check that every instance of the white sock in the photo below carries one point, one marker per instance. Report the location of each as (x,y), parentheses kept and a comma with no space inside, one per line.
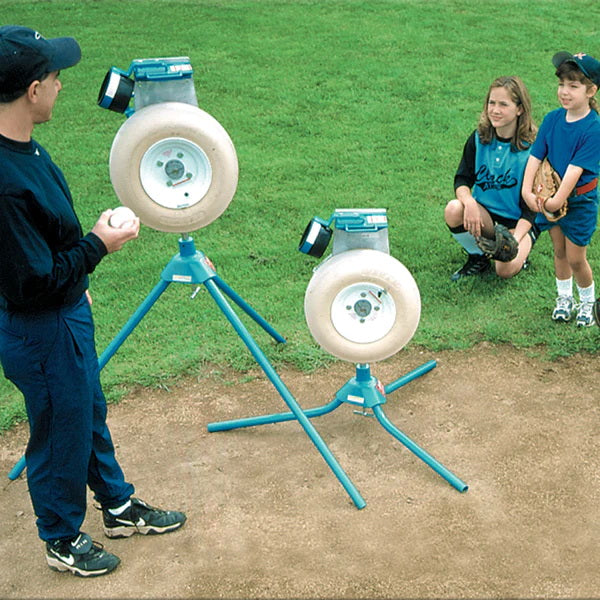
(587,294)
(564,286)
(120,509)
(467,241)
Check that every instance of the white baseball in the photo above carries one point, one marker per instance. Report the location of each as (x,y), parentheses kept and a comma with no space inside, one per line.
(122,216)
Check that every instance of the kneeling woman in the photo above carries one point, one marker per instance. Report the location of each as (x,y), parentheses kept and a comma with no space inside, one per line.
(488,180)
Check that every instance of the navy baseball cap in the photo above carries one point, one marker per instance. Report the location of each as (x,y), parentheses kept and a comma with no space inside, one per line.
(587,64)
(25,55)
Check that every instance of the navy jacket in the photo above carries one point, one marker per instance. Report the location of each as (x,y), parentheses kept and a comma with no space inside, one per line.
(44,257)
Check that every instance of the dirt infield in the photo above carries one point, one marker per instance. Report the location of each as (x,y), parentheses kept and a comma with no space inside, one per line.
(268,519)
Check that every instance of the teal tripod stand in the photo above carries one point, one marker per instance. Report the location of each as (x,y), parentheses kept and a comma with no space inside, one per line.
(368,393)
(191,266)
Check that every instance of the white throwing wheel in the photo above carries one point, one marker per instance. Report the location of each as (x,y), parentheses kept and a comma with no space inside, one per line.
(362,305)
(175,166)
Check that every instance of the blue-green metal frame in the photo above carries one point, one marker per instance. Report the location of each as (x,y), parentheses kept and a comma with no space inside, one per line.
(190,266)
(367,392)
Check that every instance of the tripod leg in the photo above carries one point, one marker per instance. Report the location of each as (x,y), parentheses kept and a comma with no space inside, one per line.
(275,418)
(424,368)
(285,394)
(17,469)
(248,309)
(132,323)
(452,479)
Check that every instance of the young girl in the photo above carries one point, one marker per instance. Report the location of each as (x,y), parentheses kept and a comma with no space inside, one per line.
(488,181)
(570,137)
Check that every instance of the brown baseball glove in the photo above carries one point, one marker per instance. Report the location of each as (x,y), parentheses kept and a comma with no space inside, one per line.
(545,184)
(503,247)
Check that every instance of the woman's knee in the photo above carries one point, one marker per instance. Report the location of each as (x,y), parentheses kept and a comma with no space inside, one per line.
(453,213)
(506,270)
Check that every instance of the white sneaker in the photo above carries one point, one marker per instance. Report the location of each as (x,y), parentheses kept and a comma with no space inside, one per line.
(585,315)
(563,309)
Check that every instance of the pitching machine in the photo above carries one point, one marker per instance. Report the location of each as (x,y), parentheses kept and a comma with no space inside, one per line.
(361,305)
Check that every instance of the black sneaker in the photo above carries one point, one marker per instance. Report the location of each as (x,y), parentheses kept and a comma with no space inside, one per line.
(82,556)
(141,518)
(476,263)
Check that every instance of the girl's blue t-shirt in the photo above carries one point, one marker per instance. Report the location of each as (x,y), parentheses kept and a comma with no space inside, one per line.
(570,143)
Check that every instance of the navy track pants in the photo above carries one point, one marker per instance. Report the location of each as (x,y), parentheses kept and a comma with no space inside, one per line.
(51,357)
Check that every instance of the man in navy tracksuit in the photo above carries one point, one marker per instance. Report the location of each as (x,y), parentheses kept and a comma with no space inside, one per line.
(46,329)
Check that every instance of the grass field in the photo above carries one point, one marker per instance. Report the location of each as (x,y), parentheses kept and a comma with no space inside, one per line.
(330,104)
